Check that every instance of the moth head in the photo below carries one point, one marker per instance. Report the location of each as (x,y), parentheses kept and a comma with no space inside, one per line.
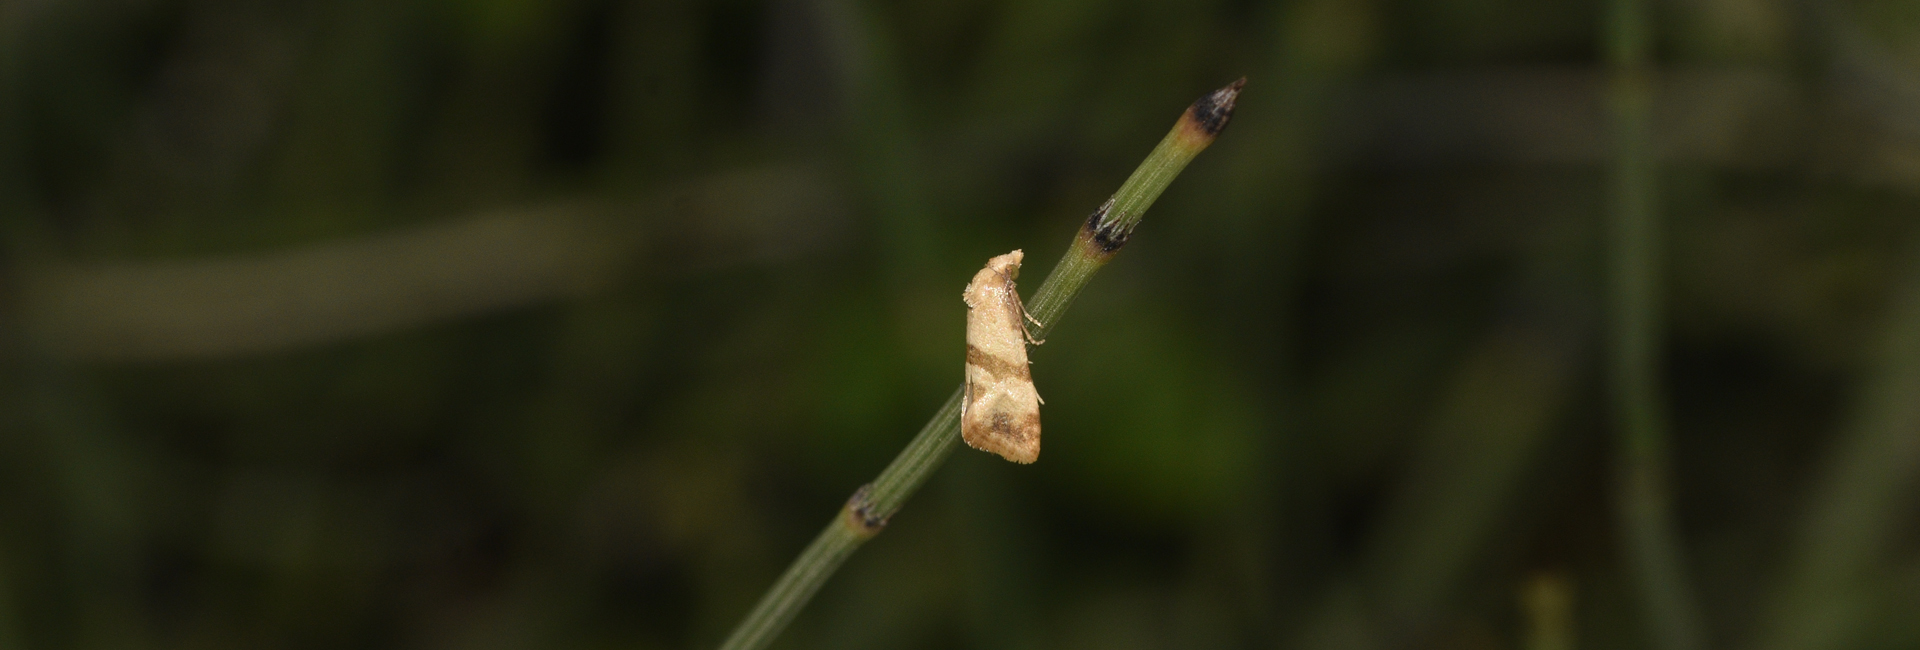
(1007,265)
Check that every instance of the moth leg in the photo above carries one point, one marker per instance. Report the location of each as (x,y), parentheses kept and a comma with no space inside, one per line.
(1029,332)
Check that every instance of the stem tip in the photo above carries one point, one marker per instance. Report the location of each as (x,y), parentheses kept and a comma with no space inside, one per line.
(1210,114)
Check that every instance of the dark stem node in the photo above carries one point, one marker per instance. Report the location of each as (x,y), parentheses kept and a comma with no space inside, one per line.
(1106,233)
(862,513)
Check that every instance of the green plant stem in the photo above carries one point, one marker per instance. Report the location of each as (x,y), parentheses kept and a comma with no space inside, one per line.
(1098,240)
(1641,491)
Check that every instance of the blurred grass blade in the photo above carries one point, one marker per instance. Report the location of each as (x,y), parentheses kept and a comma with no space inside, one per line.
(1641,492)
(881,141)
(1863,498)
(262,302)
(1097,241)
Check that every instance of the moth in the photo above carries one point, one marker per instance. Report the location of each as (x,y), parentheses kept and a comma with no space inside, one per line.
(1000,411)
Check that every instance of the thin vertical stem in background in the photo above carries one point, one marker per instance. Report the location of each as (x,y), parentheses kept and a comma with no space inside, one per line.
(1097,241)
(1863,497)
(880,138)
(1641,492)
(1263,215)
(1863,493)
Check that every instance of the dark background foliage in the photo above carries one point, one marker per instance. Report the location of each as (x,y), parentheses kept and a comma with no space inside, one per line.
(514,324)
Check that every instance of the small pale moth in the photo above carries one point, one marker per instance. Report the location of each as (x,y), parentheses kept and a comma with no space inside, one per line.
(1000,411)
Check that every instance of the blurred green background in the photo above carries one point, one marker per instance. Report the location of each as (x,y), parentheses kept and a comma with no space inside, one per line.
(453,324)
